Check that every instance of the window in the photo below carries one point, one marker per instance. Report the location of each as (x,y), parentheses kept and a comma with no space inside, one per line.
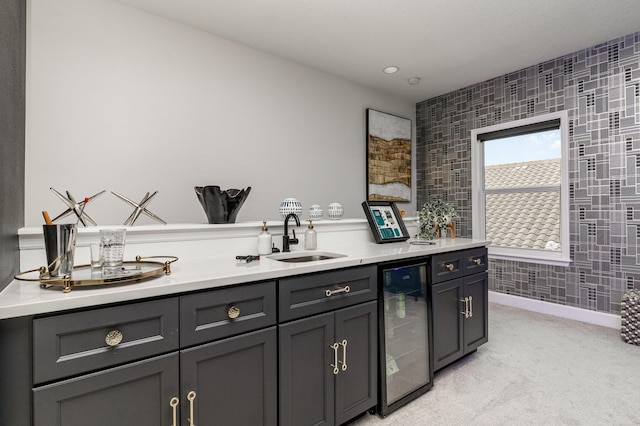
(520,189)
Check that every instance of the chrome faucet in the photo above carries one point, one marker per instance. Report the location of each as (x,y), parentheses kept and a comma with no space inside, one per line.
(286,240)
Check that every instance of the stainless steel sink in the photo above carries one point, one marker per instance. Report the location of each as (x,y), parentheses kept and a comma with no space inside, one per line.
(299,257)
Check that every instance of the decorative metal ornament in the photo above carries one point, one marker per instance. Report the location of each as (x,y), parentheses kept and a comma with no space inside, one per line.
(139,208)
(78,208)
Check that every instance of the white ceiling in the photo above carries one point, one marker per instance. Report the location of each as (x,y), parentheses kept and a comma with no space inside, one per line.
(449,44)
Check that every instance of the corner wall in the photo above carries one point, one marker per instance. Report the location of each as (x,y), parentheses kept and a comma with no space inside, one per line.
(600,88)
(12,133)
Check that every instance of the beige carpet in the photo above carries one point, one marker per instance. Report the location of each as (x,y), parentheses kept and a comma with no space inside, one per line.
(535,370)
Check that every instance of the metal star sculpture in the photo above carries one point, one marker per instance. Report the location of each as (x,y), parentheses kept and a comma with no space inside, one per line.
(140,207)
(78,208)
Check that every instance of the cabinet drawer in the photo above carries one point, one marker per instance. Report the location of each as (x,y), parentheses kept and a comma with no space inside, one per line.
(226,312)
(315,293)
(456,264)
(69,344)
(475,260)
(447,266)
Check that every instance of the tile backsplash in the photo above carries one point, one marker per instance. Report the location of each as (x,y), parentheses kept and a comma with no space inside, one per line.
(600,89)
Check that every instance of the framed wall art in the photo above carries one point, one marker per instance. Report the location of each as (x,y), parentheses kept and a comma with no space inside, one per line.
(388,157)
(385,221)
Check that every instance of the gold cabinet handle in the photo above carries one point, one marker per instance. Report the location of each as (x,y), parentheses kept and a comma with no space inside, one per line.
(191,396)
(335,347)
(345,289)
(477,261)
(174,407)
(466,307)
(449,266)
(113,338)
(344,354)
(233,312)
(470,306)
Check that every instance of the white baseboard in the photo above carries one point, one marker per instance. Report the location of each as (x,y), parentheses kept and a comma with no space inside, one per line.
(569,312)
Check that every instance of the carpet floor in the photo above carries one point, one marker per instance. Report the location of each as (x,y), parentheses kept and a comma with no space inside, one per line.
(536,369)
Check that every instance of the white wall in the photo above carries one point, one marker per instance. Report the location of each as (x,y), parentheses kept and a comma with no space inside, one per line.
(122,100)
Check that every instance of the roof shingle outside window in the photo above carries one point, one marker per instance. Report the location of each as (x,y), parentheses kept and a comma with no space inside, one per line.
(524,219)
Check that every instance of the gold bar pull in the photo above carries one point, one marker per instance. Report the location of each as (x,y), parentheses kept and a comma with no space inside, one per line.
(191,396)
(345,289)
(466,307)
(470,306)
(344,354)
(449,266)
(335,347)
(174,404)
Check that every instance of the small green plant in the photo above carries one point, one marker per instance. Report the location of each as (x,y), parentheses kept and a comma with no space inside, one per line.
(435,216)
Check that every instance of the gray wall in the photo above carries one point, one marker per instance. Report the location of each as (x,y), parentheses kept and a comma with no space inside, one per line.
(12,98)
(138,103)
(600,89)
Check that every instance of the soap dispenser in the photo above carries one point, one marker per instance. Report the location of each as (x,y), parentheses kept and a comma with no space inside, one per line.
(310,240)
(264,240)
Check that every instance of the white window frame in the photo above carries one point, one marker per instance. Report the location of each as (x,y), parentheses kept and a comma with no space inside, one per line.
(559,258)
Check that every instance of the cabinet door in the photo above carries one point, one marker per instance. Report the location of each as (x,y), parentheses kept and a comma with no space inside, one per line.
(447,322)
(137,394)
(306,376)
(234,381)
(355,384)
(476,329)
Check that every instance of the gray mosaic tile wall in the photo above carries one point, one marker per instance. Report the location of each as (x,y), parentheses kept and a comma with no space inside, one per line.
(600,89)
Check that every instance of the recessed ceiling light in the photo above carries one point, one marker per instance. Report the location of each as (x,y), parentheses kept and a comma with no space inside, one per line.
(414,80)
(391,70)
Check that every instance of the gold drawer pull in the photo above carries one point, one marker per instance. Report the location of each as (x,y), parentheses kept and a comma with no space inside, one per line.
(466,307)
(345,289)
(335,347)
(191,396)
(174,408)
(113,338)
(449,266)
(477,261)
(233,312)
(344,354)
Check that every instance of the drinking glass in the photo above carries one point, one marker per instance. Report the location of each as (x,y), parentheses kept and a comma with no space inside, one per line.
(112,247)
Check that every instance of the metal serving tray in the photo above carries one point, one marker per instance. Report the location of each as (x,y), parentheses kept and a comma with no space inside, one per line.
(130,272)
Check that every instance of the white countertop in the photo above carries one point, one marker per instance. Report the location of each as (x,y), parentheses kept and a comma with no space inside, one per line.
(22,298)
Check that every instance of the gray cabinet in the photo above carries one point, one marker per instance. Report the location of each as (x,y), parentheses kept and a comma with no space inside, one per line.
(137,394)
(459,292)
(80,342)
(219,369)
(328,366)
(232,381)
(328,361)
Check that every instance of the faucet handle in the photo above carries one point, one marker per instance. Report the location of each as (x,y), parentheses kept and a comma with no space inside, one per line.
(293,240)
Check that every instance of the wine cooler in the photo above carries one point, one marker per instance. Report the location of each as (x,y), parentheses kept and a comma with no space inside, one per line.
(406,355)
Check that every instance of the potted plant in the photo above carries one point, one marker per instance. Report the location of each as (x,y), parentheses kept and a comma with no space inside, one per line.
(434,217)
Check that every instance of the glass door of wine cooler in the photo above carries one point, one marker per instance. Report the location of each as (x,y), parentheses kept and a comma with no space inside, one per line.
(406,360)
